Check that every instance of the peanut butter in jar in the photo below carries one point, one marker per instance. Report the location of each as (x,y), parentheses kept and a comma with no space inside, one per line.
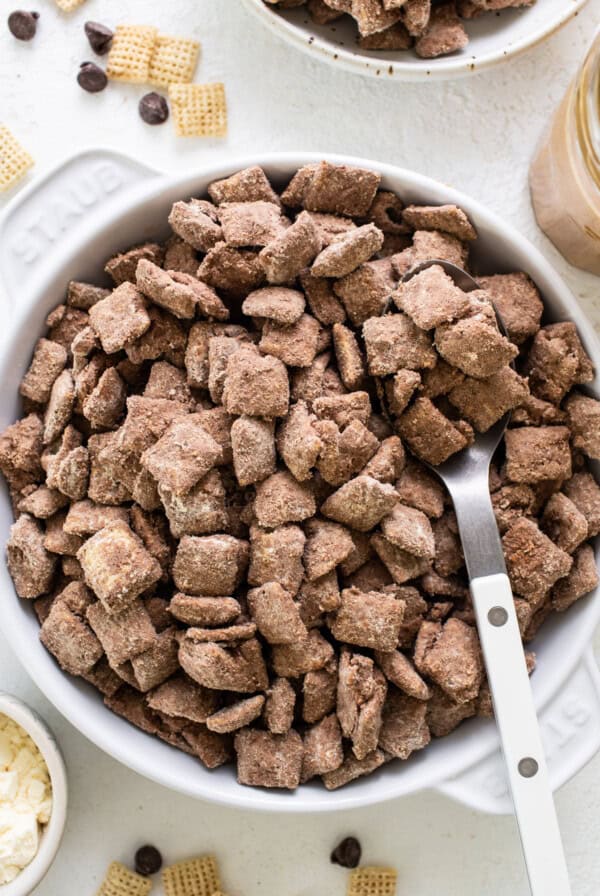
(565,173)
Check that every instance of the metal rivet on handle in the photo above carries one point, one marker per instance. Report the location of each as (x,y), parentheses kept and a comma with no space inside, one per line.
(528,767)
(498,616)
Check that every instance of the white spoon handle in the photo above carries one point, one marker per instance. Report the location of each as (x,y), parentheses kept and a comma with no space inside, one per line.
(520,736)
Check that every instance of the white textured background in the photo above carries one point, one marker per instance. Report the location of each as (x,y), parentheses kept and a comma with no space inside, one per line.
(477,134)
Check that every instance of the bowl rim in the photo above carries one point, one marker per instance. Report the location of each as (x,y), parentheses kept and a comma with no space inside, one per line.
(102,225)
(383,66)
(15,708)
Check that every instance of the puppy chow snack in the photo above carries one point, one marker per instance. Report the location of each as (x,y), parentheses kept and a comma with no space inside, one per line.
(582,578)
(67,636)
(363,293)
(475,346)
(276,556)
(583,418)
(518,303)
(430,30)
(117,567)
(404,727)
(352,768)
(251,223)
(538,453)
(370,619)
(284,257)
(428,244)
(431,298)
(534,562)
(557,362)
(224,517)
(361,695)
(334,189)
(276,615)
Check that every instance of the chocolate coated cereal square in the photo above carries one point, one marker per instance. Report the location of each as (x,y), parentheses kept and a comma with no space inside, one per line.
(430,298)
(210,565)
(368,619)
(269,760)
(117,567)
(518,302)
(536,453)
(120,318)
(583,414)
(70,640)
(284,257)
(429,434)
(395,343)
(29,563)
(361,503)
(534,563)
(450,655)
(256,385)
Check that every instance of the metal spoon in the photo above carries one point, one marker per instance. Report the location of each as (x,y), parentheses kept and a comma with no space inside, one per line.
(465,475)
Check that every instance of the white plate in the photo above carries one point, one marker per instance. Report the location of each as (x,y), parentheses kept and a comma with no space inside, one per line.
(493,38)
(63,227)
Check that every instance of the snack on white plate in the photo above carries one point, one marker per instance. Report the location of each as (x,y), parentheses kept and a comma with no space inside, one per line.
(217,525)
(431,29)
(25,799)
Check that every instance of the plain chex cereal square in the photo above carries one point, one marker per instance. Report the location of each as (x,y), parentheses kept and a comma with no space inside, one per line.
(130,53)
(372,881)
(68,5)
(200,110)
(120,881)
(173,61)
(196,877)
(14,161)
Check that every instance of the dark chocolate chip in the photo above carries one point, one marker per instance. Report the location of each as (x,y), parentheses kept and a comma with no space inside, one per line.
(99,36)
(347,853)
(148,861)
(153,108)
(22,24)
(91,77)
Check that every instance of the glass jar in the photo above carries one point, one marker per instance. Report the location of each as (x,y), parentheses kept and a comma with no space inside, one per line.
(565,173)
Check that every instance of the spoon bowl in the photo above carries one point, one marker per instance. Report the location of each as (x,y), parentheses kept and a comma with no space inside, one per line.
(466,476)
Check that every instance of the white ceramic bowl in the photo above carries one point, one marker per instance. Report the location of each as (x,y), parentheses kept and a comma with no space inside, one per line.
(493,38)
(52,833)
(64,227)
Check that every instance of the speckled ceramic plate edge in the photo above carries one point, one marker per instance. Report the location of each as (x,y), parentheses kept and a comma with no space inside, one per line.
(444,68)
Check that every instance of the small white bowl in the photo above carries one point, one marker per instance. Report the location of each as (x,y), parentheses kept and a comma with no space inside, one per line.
(493,38)
(52,833)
